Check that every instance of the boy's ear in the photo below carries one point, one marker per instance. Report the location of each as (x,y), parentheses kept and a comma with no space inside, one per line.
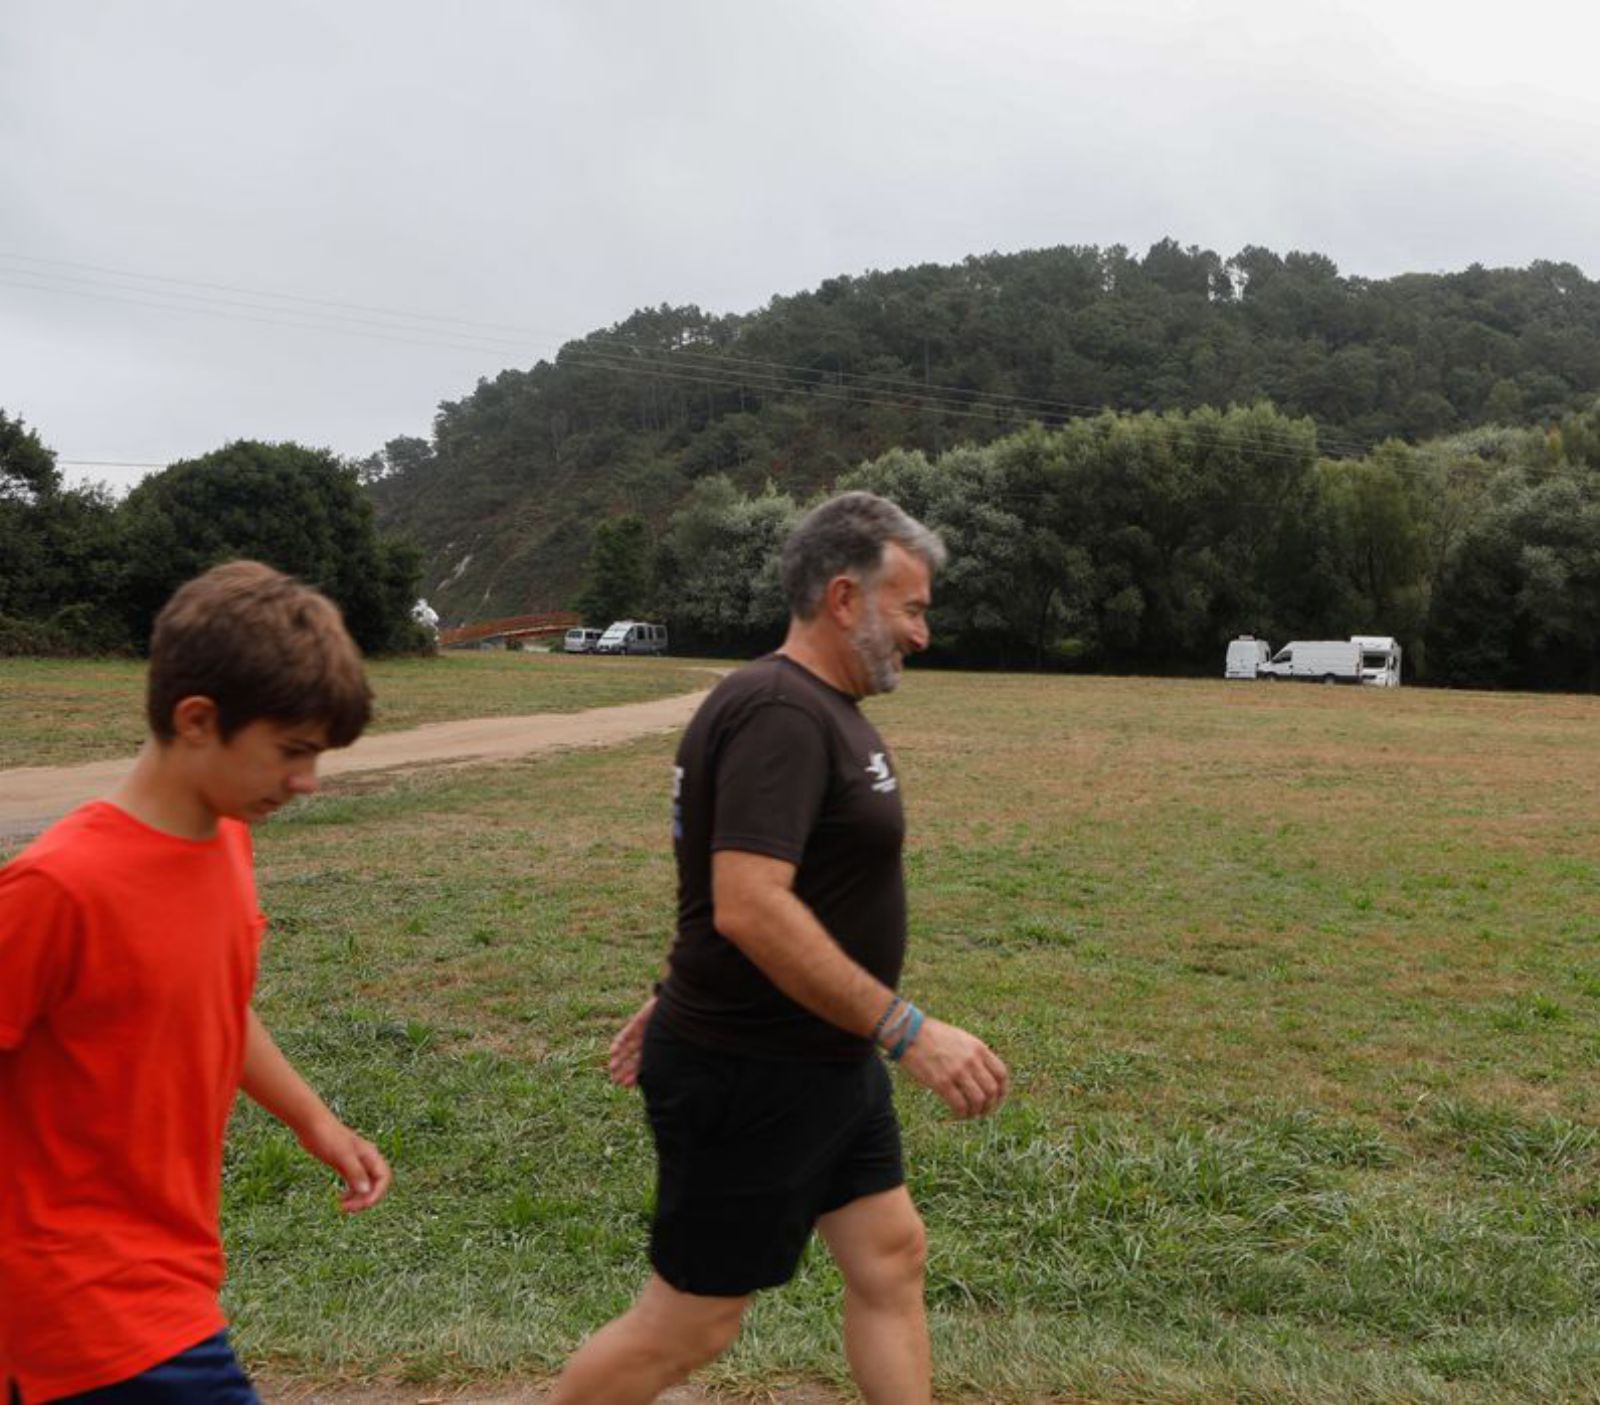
(194,720)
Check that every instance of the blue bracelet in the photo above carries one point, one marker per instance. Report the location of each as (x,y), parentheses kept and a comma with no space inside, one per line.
(892,1030)
(883,1019)
(913,1029)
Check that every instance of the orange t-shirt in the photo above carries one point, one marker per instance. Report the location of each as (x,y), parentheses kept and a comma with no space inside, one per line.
(127,959)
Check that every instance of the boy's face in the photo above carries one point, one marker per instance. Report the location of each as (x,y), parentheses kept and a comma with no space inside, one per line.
(261,767)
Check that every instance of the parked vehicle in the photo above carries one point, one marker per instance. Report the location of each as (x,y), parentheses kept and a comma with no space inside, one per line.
(581,641)
(1246,654)
(633,637)
(1316,660)
(1373,659)
(1380,660)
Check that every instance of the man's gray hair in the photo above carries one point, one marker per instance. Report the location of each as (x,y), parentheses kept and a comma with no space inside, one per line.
(846,536)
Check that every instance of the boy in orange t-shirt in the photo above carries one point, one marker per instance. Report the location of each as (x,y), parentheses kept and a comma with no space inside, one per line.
(129,935)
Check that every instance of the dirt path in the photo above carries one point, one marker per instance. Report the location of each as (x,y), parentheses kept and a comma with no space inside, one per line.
(32,796)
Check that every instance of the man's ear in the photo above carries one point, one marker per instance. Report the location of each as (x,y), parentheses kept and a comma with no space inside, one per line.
(195,720)
(841,601)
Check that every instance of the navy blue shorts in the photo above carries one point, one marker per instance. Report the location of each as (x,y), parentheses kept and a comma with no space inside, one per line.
(750,1152)
(207,1374)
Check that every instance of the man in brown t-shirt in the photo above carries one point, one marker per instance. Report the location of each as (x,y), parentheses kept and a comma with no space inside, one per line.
(770,1109)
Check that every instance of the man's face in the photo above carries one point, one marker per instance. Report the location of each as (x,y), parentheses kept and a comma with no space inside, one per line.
(262,767)
(893,620)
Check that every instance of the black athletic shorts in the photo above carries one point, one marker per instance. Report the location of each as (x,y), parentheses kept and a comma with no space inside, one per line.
(751,1151)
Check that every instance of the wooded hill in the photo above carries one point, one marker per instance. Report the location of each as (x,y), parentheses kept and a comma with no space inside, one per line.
(505,498)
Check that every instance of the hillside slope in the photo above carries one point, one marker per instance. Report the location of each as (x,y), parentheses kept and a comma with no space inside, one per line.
(504,498)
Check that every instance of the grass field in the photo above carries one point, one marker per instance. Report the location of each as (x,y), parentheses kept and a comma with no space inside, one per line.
(59,711)
(1299,987)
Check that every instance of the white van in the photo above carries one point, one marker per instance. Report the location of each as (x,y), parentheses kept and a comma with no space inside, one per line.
(581,641)
(1316,661)
(633,637)
(1246,654)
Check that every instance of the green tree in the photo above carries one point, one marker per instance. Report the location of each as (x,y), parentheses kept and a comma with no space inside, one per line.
(618,585)
(1379,537)
(1017,589)
(60,555)
(298,509)
(1143,541)
(717,576)
(27,469)
(1518,606)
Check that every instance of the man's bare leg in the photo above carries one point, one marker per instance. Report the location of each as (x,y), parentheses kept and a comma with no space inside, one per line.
(880,1247)
(656,1343)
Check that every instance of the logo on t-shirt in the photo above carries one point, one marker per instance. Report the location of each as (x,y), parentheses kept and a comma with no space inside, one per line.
(677,803)
(883,780)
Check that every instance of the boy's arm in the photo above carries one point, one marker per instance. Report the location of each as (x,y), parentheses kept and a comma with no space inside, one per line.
(270,1080)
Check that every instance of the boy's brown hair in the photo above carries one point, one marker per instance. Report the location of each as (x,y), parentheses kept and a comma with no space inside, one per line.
(259,644)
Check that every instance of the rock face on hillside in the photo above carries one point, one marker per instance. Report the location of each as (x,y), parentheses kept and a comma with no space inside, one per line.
(505,497)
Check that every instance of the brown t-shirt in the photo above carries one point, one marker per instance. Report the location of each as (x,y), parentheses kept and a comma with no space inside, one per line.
(777,762)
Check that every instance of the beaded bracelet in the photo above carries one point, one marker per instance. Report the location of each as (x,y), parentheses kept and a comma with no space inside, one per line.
(883,1019)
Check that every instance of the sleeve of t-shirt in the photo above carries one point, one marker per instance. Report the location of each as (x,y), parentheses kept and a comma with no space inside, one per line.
(245,852)
(38,946)
(772,777)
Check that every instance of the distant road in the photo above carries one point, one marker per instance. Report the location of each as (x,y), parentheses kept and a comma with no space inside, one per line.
(31,797)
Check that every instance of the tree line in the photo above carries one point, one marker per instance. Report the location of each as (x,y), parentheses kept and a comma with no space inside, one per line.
(1143,543)
(81,572)
(1370,483)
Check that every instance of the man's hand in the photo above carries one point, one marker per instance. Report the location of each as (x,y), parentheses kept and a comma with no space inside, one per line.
(360,1165)
(959,1067)
(628,1046)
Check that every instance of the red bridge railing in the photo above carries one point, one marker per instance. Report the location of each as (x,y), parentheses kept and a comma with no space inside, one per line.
(512,627)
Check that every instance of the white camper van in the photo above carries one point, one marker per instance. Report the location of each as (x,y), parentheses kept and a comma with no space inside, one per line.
(1246,654)
(1380,660)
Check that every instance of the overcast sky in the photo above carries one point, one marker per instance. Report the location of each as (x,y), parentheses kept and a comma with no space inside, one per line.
(548,167)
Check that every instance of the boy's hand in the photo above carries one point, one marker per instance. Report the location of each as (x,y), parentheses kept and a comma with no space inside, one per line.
(628,1046)
(365,1173)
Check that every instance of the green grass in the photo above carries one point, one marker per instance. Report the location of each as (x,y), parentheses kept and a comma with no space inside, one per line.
(58,712)
(1299,988)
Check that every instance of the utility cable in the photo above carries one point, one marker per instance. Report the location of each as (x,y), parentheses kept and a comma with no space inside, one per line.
(804,377)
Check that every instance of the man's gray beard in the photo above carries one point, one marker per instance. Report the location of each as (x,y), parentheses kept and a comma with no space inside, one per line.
(875,647)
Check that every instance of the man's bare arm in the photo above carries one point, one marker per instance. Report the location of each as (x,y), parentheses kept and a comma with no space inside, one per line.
(755,907)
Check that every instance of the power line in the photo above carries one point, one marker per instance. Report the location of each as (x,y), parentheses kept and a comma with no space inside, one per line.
(476,347)
(805,376)
(106,463)
(658,365)
(268,293)
(719,360)
(846,394)
(714,367)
